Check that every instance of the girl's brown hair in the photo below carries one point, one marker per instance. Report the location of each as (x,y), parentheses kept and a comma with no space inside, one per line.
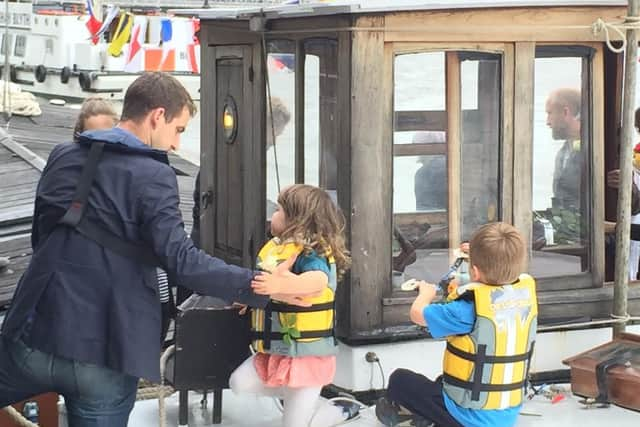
(93,106)
(314,221)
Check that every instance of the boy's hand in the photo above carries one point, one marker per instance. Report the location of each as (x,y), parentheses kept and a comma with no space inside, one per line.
(427,290)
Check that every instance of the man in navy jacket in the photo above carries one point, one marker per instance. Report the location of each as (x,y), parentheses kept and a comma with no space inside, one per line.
(85,320)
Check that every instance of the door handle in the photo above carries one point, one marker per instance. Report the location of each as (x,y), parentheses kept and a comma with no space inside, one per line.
(206,199)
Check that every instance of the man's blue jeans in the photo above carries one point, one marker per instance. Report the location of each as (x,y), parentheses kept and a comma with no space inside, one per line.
(95,396)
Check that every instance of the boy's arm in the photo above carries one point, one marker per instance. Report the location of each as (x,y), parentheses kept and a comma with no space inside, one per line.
(426,295)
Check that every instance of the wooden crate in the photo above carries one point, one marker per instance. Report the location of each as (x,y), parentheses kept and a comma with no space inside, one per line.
(623,379)
(47,411)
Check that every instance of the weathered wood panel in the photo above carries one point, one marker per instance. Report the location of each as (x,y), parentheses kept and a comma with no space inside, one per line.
(371,166)
(521,174)
(509,24)
(454,146)
(597,167)
(508,87)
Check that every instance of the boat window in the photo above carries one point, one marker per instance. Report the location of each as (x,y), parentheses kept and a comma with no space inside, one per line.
(561,141)
(305,117)
(281,123)
(7,40)
(446,135)
(320,112)
(21,46)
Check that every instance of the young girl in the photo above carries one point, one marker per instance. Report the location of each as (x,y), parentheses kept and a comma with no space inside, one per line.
(293,336)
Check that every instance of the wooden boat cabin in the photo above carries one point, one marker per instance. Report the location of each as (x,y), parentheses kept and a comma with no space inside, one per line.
(425,120)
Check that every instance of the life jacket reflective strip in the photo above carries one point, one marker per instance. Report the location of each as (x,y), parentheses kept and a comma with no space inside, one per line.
(487,368)
(311,323)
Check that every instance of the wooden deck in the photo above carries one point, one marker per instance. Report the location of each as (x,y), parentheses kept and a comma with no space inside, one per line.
(25,144)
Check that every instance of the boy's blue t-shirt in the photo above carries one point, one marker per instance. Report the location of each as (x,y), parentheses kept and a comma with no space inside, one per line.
(458,318)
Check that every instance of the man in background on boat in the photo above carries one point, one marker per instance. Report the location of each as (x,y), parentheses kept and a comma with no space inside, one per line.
(85,318)
(563,117)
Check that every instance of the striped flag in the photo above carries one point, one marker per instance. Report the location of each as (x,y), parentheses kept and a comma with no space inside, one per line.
(121,35)
(93,25)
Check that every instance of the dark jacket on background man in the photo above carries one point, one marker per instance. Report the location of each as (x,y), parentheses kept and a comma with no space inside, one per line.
(84,302)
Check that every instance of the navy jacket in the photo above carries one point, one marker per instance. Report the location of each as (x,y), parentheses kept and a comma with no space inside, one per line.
(81,301)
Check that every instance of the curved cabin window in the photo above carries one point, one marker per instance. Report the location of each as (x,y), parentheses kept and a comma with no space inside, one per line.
(561,146)
(303,84)
(446,147)
(281,120)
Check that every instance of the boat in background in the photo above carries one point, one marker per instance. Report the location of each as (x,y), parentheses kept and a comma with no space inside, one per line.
(52,52)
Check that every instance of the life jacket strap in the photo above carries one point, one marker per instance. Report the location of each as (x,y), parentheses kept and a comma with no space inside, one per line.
(480,359)
(278,336)
(281,307)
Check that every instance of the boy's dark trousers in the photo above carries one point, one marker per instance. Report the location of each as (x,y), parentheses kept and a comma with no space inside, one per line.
(421,396)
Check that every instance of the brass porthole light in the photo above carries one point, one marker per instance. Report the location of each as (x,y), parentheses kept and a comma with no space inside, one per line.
(230,120)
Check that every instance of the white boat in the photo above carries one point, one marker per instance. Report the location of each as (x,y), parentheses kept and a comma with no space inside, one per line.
(51,52)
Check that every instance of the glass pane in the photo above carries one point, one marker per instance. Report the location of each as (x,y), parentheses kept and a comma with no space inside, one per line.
(560,169)
(421,247)
(419,96)
(281,155)
(320,114)
(480,151)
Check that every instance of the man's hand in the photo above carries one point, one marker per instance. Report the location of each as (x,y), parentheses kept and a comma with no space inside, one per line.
(242,307)
(275,282)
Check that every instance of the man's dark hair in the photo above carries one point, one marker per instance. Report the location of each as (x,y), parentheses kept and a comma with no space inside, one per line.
(156,90)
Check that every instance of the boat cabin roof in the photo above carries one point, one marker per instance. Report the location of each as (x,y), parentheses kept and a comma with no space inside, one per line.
(382,6)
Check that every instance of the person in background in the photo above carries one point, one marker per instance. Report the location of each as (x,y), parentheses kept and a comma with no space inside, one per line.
(563,117)
(85,318)
(95,113)
(499,306)
(613,181)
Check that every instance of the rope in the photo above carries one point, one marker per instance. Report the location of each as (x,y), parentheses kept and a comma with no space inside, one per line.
(615,319)
(21,103)
(161,392)
(17,417)
(600,26)
(154,392)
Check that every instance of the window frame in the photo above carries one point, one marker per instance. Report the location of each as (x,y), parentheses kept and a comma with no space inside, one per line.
(453,144)
(592,95)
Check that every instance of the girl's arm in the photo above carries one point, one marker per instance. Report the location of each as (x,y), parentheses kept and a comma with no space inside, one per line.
(426,294)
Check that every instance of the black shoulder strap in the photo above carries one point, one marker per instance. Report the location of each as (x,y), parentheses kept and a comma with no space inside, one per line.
(74,216)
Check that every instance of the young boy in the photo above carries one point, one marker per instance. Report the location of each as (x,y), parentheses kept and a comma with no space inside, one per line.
(490,327)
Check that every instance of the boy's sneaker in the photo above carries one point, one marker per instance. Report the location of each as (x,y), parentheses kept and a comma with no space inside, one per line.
(350,409)
(391,414)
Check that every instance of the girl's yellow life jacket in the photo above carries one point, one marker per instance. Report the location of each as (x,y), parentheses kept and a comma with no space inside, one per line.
(288,329)
(488,368)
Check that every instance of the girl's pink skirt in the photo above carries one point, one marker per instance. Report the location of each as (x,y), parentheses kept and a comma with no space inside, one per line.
(305,371)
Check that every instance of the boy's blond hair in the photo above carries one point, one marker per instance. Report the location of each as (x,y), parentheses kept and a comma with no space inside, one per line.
(497,249)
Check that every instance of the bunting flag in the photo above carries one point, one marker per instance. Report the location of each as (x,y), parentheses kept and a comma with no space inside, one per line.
(166,35)
(193,60)
(135,55)
(121,35)
(112,12)
(93,25)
